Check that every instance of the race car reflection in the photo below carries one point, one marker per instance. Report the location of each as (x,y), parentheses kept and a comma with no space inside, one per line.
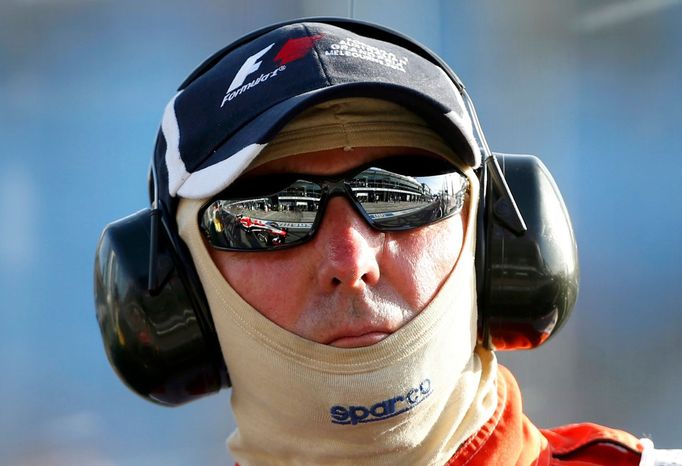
(268,233)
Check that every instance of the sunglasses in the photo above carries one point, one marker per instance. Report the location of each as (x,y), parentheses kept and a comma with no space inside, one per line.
(265,213)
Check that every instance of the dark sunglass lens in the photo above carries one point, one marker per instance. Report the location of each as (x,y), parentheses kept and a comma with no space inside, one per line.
(265,222)
(398,202)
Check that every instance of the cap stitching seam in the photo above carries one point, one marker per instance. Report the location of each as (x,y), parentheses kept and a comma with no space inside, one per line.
(319,61)
(304,133)
(344,125)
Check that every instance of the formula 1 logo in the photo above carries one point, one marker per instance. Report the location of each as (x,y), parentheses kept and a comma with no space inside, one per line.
(292,50)
(390,407)
(251,65)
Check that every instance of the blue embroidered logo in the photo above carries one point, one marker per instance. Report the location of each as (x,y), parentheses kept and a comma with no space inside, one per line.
(382,410)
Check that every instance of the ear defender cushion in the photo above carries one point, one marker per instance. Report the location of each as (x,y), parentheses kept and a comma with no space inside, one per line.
(158,342)
(530,280)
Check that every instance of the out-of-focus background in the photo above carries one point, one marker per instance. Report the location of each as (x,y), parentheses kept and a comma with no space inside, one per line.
(594,88)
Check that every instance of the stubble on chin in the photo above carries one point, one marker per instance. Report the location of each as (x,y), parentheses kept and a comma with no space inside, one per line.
(370,308)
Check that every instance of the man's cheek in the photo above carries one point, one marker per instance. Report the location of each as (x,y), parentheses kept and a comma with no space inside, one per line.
(409,269)
(433,254)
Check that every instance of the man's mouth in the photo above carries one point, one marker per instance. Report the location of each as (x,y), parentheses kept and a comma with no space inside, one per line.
(357,341)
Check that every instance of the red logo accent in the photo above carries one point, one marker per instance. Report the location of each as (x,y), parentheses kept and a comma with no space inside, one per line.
(294,49)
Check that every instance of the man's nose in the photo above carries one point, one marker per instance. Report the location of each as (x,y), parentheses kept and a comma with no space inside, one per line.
(349,248)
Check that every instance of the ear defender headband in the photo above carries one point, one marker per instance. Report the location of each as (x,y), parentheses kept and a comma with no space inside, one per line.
(155,321)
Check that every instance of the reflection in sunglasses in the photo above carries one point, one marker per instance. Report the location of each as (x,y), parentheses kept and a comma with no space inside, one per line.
(387,200)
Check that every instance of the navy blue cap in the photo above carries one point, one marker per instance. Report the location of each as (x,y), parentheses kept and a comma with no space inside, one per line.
(218,123)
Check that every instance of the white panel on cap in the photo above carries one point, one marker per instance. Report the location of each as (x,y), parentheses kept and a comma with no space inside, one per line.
(177,172)
(213,179)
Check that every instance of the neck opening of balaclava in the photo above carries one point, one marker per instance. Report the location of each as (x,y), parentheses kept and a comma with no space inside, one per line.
(412,398)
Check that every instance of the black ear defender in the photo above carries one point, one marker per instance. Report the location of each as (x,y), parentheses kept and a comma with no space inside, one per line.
(526,265)
(154,317)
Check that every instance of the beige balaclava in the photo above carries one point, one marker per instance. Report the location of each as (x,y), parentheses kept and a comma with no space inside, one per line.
(410,399)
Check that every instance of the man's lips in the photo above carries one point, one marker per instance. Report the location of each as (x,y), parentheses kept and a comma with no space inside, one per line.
(357,341)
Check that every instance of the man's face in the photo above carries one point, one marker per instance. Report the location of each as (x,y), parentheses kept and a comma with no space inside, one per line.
(351,285)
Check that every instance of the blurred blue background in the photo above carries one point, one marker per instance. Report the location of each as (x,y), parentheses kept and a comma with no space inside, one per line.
(593,88)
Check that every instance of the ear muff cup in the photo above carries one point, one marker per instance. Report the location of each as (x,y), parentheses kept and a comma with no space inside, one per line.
(161,344)
(528,282)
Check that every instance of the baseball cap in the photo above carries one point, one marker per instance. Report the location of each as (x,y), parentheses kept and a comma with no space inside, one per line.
(220,120)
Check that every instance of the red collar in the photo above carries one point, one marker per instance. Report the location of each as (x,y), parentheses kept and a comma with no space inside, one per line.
(509,438)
